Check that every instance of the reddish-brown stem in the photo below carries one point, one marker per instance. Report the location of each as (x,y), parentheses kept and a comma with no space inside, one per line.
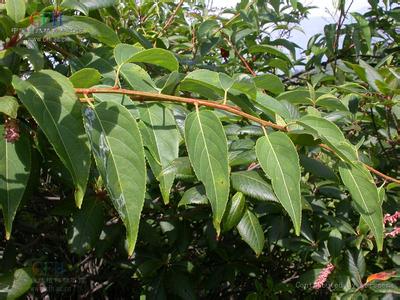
(146,96)
(172,17)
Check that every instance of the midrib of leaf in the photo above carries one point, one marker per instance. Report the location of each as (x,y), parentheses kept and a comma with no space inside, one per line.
(208,158)
(362,197)
(112,157)
(283,178)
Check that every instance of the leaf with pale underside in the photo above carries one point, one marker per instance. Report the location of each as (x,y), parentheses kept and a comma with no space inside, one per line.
(279,160)
(51,100)
(161,138)
(208,153)
(15,167)
(118,151)
(364,193)
(251,231)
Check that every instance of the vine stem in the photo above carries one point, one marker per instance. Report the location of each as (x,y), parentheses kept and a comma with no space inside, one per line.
(147,96)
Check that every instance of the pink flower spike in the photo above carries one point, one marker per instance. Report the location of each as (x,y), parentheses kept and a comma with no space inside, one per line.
(323,276)
(393,233)
(391,219)
(11,130)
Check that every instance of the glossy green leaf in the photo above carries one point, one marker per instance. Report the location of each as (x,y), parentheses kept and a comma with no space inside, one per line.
(34,56)
(252,184)
(122,53)
(79,25)
(279,160)
(194,195)
(272,106)
(335,242)
(51,100)
(234,211)
(16,9)
(161,138)
(270,82)
(137,78)
(15,167)
(155,56)
(85,78)
(15,284)
(251,231)
(181,167)
(118,150)
(208,153)
(371,75)
(331,135)
(86,226)
(271,50)
(364,193)
(85,6)
(9,106)
(317,168)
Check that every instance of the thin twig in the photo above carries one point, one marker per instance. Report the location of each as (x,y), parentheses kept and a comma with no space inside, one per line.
(242,59)
(170,19)
(146,96)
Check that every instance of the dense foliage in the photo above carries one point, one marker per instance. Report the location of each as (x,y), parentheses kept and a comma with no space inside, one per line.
(164,149)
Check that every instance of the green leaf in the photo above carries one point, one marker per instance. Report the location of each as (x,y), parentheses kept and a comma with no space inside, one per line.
(85,78)
(16,284)
(371,75)
(251,231)
(85,6)
(272,106)
(86,226)
(331,135)
(270,82)
(208,153)
(335,242)
(51,100)
(122,53)
(270,50)
(225,81)
(252,184)
(15,167)
(118,150)
(16,9)
(234,211)
(155,56)
(194,195)
(204,82)
(317,168)
(181,167)
(9,106)
(34,56)
(161,138)
(79,25)
(355,265)
(363,191)
(279,160)
(137,78)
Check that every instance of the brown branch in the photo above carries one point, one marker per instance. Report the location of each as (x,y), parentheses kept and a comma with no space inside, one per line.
(242,59)
(146,96)
(172,17)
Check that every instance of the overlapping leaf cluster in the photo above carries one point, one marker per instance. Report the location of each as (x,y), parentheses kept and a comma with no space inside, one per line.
(190,182)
